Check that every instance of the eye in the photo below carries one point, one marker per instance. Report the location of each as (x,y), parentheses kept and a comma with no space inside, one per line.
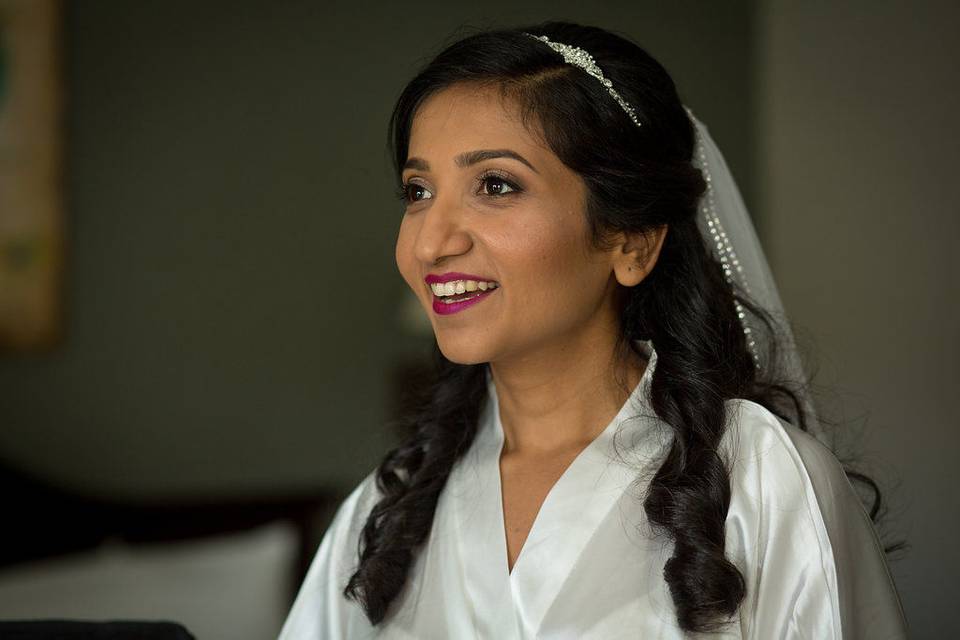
(494,184)
(413,192)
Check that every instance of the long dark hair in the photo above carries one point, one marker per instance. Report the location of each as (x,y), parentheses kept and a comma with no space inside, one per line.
(638,179)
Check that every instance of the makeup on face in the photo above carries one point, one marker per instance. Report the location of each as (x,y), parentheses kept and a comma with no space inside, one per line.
(454,291)
(482,192)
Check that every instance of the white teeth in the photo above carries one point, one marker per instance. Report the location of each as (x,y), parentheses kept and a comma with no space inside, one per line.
(455,287)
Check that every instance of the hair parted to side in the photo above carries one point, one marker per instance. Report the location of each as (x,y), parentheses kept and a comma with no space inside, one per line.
(638,179)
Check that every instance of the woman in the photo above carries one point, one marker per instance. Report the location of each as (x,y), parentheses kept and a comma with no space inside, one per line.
(610,449)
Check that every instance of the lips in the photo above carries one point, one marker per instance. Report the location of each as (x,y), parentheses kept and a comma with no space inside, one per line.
(470,289)
(474,297)
(433,278)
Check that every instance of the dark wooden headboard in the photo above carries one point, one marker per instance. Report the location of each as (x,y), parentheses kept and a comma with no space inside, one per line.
(39,520)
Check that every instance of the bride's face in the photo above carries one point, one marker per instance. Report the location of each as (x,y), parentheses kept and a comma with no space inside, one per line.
(485,198)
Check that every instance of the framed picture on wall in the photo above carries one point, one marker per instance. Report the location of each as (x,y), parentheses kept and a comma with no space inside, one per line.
(31,185)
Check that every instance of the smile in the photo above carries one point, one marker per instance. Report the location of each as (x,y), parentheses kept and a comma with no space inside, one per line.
(457,295)
(455,287)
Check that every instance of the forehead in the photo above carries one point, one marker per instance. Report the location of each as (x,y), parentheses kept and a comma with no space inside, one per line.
(469,116)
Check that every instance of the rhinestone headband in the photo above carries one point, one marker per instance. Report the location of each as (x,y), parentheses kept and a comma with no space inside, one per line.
(579,57)
(722,245)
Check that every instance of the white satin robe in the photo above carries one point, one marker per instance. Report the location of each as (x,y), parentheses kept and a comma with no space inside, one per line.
(590,567)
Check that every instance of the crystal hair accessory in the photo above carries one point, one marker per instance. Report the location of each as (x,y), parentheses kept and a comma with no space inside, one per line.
(579,57)
(716,235)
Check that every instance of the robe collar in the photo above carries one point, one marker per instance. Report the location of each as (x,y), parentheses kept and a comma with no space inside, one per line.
(571,512)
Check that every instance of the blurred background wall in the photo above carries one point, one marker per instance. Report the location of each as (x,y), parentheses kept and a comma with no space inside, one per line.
(858,145)
(231,293)
(234,324)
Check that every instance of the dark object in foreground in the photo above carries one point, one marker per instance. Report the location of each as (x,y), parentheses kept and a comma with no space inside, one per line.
(76,630)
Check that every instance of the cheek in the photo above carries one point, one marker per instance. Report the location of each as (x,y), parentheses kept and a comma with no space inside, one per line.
(557,274)
(550,251)
(404,253)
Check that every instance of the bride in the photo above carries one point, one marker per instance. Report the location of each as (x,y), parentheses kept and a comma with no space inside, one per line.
(618,440)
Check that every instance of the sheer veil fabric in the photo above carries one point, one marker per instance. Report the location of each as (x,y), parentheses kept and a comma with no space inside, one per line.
(724,205)
(591,567)
(726,225)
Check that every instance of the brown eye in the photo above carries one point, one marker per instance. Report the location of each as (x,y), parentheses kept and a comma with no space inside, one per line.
(494,185)
(413,192)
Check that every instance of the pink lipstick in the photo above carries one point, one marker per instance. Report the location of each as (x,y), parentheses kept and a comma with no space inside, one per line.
(454,275)
(445,305)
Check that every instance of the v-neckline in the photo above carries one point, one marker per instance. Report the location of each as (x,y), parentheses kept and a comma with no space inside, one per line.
(580,494)
(569,469)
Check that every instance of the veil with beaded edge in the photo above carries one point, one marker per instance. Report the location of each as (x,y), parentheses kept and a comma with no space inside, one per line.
(867,598)
(727,228)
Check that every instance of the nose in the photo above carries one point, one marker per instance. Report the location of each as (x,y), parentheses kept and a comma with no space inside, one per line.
(442,234)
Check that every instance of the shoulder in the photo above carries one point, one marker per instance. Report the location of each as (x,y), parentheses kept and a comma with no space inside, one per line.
(343,534)
(799,531)
(320,609)
(780,472)
(776,515)
(775,525)
(344,529)
(353,511)
(760,446)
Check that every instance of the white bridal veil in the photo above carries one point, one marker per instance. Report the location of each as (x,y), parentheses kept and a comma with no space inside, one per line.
(726,225)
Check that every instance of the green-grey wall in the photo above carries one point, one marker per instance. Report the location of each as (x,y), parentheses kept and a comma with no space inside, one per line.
(858,131)
(231,292)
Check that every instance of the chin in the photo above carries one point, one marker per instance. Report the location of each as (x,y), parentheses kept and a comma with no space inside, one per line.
(463,350)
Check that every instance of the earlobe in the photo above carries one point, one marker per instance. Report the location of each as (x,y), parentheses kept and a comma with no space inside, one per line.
(638,254)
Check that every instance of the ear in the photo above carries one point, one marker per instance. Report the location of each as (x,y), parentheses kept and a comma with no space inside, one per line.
(636,254)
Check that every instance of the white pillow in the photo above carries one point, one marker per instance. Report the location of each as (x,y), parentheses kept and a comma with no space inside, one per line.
(235,586)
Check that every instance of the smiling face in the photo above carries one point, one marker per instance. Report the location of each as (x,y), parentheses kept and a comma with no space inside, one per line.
(515,216)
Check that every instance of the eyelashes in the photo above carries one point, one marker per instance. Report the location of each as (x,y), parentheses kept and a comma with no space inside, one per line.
(495,176)
(403,191)
(501,180)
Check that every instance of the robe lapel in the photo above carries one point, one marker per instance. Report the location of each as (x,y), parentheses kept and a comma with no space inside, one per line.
(513,605)
(476,506)
(573,510)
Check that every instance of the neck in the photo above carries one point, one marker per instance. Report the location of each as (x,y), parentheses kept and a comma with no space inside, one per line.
(561,396)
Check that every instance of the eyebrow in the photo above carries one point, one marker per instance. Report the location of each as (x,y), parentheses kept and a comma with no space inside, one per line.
(468,158)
